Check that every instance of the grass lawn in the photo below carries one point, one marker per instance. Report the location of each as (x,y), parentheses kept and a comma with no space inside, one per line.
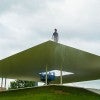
(49,93)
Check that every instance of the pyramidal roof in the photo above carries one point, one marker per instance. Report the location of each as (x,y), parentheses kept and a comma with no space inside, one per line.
(28,64)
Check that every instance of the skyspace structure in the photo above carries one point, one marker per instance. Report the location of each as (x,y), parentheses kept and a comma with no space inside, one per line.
(50,55)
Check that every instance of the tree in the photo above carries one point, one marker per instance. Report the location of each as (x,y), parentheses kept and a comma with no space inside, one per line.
(21,84)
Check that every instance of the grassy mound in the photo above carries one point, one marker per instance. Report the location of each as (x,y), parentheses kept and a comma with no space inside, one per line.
(49,93)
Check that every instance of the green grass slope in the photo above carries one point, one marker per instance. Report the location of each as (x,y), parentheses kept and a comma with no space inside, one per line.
(49,93)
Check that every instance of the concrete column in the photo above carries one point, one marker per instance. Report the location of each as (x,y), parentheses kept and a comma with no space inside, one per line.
(5,82)
(61,75)
(1,82)
(46,76)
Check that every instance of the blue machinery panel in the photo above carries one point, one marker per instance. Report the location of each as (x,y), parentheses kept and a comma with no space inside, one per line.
(50,77)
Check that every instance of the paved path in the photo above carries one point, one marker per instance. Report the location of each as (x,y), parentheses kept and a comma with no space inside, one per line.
(95,90)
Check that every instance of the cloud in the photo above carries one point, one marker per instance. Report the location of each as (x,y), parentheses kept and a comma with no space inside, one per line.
(31,22)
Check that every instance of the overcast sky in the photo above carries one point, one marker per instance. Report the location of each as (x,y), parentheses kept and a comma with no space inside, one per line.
(25,23)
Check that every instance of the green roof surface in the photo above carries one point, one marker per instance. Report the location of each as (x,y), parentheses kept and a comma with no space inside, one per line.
(28,64)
